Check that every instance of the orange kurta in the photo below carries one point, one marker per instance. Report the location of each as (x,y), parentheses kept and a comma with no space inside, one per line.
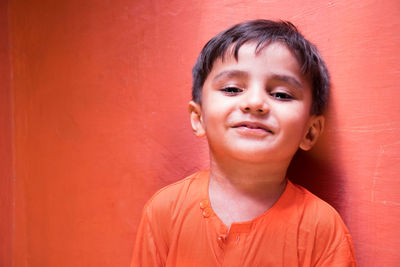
(179,228)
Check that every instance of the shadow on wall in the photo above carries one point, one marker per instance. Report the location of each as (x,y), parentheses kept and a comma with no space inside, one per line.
(319,170)
(322,179)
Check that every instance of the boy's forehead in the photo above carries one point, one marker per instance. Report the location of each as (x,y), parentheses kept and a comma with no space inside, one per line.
(252,52)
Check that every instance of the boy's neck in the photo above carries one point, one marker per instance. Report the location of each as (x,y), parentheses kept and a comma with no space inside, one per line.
(241,192)
(252,179)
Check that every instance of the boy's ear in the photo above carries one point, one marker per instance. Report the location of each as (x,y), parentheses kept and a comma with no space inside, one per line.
(196,119)
(315,129)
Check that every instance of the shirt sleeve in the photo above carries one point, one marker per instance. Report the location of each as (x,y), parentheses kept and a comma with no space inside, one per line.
(341,256)
(150,246)
(333,243)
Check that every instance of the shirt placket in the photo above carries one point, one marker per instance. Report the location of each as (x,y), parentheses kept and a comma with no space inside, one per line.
(233,244)
(230,243)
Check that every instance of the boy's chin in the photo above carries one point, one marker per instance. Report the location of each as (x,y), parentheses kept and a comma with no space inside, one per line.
(251,156)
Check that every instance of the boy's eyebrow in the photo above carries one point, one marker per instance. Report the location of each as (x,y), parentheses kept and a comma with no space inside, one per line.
(243,74)
(288,79)
(230,74)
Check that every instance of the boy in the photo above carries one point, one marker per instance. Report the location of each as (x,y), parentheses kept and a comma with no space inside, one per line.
(259,92)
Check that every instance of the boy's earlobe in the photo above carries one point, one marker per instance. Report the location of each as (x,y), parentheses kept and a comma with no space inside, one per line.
(196,119)
(315,129)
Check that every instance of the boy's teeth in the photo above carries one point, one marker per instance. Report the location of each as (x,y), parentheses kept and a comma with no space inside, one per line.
(252,127)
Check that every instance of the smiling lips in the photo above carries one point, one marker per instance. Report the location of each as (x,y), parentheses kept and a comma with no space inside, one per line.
(252,128)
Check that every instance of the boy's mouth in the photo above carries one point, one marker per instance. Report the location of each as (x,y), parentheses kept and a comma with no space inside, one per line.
(253,126)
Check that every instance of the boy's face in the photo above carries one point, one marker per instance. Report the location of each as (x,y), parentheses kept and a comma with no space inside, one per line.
(257,108)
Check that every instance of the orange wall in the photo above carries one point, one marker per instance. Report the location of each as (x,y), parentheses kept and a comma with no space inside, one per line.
(100,102)
(6,180)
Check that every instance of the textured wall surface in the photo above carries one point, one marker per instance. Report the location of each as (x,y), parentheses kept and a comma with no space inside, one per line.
(100,102)
(6,167)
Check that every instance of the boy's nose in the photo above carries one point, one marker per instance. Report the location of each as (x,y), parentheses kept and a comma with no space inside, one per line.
(255,102)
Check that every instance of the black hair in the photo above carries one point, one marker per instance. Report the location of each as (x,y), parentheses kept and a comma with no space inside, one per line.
(265,32)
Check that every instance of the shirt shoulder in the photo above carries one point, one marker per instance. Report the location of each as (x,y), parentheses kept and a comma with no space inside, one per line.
(321,224)
(315,210)
(176,197)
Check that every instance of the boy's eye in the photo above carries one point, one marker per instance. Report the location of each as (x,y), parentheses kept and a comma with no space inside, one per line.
(282,96)
(232,90)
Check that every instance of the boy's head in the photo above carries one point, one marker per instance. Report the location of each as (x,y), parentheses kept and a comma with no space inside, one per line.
(259,92)
(263,33)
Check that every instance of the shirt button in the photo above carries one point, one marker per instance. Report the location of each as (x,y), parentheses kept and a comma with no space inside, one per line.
(221,240)
(207,212)
(203,204)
